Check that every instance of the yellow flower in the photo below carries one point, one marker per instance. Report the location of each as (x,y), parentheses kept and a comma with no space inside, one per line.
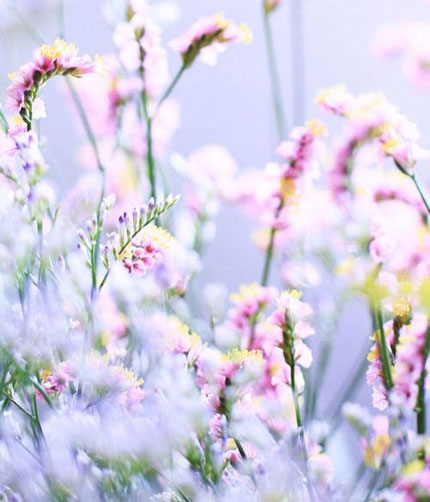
(58,49)
(246,292)
(345,266)
(245,34)
(374,453)
(238,356)
(316,127)
(412,468)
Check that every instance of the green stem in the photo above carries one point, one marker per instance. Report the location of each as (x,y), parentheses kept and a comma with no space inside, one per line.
(9,398)
(301,428)
(288,350)
(420,191)
(268,258)
(3,121)
(149,154)
(170,88)
(61,19)
(274,77)
(416,182)
(421,402)
(383,349)
(240,449)
(95,248)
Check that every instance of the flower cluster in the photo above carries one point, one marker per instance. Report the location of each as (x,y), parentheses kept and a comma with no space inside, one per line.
(268,193)
(59,59)
(139,43)
(206,37)
(372,119)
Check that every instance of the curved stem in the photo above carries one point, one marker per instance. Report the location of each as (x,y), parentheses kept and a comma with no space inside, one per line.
(420,191)
(150,164)
(416,182)
(169,90)
(274,77)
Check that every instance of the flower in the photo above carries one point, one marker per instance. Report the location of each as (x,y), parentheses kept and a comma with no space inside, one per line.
(406,340)
(371,120)
(58,380)
(59,59)
(140,48)
(376,444)
(271,5)
(146,251)
(206,37)
(414,482)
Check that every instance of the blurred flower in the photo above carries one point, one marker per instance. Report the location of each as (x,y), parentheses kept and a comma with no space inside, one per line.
(205,38)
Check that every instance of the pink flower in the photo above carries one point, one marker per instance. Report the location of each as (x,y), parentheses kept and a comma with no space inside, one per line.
(146,251)
(409,362)
(374,374)
(414,482)
(207,34)
(59,379)
(59,59)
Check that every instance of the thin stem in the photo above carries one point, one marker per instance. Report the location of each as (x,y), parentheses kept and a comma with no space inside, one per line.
(61,19)
(149,154)
(421,401)
(417,184)
(94,253)
(383,349)
(3,121)
(268,258)
(240,449)
(289,357)
(300,427)
(9,398)
(274,77)
(85,122)
(170,89)
(420,191)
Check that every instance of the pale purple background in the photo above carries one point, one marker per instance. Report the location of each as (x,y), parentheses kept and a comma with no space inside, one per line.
(231,104)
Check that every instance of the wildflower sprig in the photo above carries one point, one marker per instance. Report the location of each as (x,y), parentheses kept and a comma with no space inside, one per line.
(129,226)
(59,59)
(208,32)
(89,239)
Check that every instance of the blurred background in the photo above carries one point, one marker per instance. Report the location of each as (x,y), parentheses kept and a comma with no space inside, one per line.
(318,43)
